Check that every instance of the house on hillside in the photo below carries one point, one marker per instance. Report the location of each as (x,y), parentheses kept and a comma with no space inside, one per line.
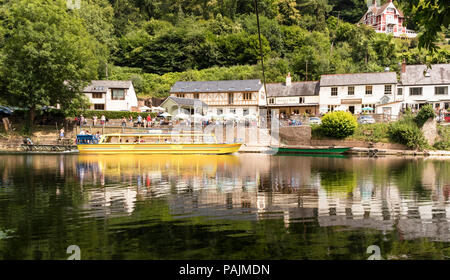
(111,95)
(421,85)
(293,97)
(387,19)
(353,92)
(241,97)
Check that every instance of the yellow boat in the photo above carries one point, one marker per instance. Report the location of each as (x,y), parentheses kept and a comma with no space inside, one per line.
(149,143)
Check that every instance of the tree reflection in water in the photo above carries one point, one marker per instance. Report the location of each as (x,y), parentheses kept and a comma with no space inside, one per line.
(246,206)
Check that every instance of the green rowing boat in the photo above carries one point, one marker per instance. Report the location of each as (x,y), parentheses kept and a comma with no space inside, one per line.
(329,150)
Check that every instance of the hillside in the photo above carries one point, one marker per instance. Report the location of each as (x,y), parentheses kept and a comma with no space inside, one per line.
(157,42)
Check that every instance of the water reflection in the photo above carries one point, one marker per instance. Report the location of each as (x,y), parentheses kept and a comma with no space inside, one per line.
(398,198)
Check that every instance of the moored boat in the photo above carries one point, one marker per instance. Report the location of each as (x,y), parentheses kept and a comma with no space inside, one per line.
(311,150)
(148,143)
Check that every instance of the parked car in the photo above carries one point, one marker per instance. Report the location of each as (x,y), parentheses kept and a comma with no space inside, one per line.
(315,120)
(5,111)
(366,119)
(447,117)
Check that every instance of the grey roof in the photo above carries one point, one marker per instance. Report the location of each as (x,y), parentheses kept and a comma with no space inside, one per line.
(438,74)
(295,89)
(104,85)
(358,79)
(217,86)
(186,101)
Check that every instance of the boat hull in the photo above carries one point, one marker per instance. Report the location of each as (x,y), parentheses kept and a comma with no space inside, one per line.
(311,150)
(143,148)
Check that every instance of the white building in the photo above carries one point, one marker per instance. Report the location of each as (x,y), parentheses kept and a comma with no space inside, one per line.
(293,97)
(111,95)
(421,85)
(352,92)
(241,97)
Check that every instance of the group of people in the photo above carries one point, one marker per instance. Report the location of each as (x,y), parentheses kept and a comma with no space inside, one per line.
(81,120)
(97,135)
(144,122)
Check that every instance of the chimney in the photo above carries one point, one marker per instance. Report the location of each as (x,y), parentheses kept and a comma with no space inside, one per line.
(404,66)
(374,3)
(288,79)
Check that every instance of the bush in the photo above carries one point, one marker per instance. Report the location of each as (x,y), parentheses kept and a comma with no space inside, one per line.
(338,124)
(425,113)
(374,132)
(406,132)
(112,114)
(444,142)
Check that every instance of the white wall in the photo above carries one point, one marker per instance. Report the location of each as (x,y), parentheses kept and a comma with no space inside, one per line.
(116,105)
(428,95)
(326,99)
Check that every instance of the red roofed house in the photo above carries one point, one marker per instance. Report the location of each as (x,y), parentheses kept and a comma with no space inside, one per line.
(387,19)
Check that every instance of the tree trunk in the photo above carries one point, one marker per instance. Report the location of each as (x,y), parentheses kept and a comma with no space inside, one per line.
(31,117)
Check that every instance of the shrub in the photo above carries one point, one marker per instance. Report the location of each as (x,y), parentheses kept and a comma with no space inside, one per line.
(338,124)
(376,132)
(112,114)
(406,132)
(425,113)
(444,142)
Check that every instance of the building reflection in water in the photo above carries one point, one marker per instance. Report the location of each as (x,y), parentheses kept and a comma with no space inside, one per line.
(410,196)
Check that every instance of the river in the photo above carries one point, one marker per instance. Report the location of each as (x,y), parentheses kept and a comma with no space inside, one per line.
(234,207)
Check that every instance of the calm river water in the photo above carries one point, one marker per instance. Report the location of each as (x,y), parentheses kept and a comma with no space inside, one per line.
(246,206)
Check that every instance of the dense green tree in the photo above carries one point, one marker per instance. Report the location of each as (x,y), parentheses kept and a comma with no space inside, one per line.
(287,12)
(432,16)
(45,46)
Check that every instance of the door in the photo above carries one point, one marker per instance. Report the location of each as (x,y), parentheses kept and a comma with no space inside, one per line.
(351,109)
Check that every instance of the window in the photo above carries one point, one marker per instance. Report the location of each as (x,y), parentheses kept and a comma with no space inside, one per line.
(99,106)
(351,91)
(400,91)
(230,98)
(415,91)
(196,96)
(334,91)
(441,90)
(245,112)
(301,100)
(181,95)
(97,95)
(118,94)
(368,90)
(233,111)
(388,89)
(390,29)
(296,111)
(271,100)
(331,108)
(369,106)
(247,95)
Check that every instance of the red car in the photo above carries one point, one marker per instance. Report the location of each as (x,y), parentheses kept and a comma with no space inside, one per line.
(447,117)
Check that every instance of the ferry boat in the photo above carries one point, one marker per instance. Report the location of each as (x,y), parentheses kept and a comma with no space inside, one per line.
(154,143)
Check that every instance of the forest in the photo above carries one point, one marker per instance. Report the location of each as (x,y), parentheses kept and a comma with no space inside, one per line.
(157,42)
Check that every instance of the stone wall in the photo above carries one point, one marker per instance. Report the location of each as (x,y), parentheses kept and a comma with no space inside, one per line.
(358,144)
(295,135)
(430,131)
